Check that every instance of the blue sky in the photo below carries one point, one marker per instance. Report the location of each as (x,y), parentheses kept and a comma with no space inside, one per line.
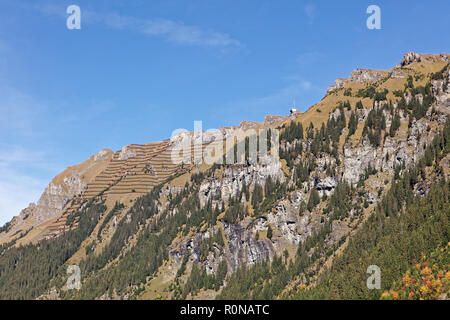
(137,70)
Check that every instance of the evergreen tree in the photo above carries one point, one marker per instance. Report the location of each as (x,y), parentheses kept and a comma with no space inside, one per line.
(352,124)
(314,199)
(269,232)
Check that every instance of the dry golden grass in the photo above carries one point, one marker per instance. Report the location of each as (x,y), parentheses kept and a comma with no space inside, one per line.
(157,288)
(100,174)
(285,168)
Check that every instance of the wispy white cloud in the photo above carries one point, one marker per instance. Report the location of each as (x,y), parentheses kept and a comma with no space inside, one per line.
(21,121)
(283,96)
(310,10)
(4,47)
(92,111)
(17,188)
(16,192)
(15,157)
(280,99)
(18,110)
(176,32)
(22,115)
(309,57)
(173,31)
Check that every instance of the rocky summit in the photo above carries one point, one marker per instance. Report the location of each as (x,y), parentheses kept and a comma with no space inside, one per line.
(359,179)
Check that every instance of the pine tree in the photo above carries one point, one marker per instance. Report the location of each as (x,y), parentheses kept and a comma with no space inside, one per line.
(395,124)
(352,124)
(359,105)
(314,199)
(269,232)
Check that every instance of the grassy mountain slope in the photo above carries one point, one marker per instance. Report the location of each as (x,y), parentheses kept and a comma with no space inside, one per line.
(362,179)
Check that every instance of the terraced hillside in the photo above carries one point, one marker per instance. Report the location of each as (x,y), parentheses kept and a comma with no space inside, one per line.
(351,173)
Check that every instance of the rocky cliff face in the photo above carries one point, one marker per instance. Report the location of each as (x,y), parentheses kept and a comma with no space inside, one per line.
(62,189)
(359,76)
(404,149)
(409,58)
(234,177)
(320,188)
(290,222)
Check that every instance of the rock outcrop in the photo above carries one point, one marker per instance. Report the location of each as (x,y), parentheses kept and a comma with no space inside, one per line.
(358,76)
(365,75)
(64,187)
(409,58)
(233,177)
(304,204)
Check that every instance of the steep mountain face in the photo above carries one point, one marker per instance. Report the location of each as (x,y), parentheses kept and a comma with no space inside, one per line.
(64,187)
(118,176)
(144,225)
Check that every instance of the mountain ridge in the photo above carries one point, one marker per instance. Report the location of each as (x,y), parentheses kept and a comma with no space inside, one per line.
(215,220)
(57,197)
